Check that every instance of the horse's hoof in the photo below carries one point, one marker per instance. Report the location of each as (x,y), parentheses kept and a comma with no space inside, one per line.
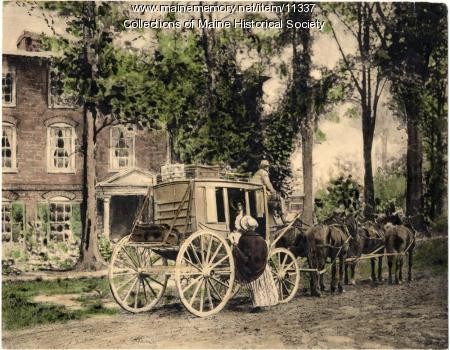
(316,294)
(333,290)
(389,281)
(353,282)
(341,290)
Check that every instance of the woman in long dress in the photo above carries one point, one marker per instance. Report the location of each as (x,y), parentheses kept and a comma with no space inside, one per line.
(252,269)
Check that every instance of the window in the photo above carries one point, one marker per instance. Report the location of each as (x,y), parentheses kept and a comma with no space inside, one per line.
(57,98)
(60,148)
(121,147)
(8,147)
(60,221)
(9,89)
(215,205)
(13,220)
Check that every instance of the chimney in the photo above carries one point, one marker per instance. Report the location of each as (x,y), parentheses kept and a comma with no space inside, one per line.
(29,41)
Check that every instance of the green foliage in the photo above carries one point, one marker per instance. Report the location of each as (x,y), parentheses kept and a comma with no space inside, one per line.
(105,248)
(389,188)
(18,311)
(319,136)
(440,224)
(431,255)
(341,194)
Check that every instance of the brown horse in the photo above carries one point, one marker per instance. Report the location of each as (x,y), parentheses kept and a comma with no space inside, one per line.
(366,238)
(399,241)
(326,241)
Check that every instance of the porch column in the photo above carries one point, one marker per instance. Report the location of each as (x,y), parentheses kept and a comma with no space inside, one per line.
(106,205)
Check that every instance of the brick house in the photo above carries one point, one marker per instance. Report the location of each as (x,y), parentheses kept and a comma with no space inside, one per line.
(42,164)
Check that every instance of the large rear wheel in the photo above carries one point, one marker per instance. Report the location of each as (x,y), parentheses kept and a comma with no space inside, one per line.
(137,276)
(204,273)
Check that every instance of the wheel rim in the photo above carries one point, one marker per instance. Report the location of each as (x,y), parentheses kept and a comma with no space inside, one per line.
(205,273)
(285,272)
(137,276)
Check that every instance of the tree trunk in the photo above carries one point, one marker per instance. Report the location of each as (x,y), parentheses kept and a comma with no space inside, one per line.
(307,159)
(90,258)
(369,197)
(414,189)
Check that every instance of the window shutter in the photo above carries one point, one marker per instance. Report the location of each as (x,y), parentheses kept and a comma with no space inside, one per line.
(17,219)
(75,221)
(43,215)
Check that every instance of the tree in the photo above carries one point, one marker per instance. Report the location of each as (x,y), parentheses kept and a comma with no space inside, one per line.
(362,22)
(305,99)
(414,59)
(96,75)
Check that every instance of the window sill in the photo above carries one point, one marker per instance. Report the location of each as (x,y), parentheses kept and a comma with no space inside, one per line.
(9,105)
(10,171)
(73,171)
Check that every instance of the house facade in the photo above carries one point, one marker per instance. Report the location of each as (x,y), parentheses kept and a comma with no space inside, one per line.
(42,163)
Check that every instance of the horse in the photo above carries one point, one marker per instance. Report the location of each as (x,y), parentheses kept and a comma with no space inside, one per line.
(326,241)
(366,238)
(399,241)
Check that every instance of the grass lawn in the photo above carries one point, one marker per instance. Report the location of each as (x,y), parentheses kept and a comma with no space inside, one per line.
(19,311)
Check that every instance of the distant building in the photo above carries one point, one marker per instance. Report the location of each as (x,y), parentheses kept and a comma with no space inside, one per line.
(42,164)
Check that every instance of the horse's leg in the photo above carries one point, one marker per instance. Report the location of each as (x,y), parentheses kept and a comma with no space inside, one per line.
(346,273)
(333,276)
(390,260)
(353,268)
(372,268)
(341,274)
(380,269)
(313,278)
(410,262)
(400,268)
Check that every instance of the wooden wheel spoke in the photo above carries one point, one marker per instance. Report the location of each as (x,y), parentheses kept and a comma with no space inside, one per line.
(129,291)
(284,260)
(155,280)
(215,290)
(137,294)
(215,253)
(150,287)
(126,264)
(202,250)
(129,256)
(219,262)
(123,273)
(220,282)
(289,266)
(222,272)
(208,252)
(192,264)
(202,294)
(195,293)
(143,289)
(195,253)
(125,283)
(290,282)
(192,283)
(211,304)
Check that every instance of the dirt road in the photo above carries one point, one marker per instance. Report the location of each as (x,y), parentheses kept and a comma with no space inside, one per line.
(407,316)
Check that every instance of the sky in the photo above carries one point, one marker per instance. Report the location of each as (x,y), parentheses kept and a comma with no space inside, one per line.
(340,152)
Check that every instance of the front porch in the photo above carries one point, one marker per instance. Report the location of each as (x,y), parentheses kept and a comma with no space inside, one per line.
(119,197)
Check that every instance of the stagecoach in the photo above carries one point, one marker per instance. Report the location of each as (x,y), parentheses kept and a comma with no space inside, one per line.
(179,242)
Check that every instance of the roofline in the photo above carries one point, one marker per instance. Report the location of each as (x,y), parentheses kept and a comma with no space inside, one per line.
(38,54)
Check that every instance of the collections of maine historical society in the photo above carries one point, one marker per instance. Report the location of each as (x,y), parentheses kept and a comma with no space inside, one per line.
(243,23)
